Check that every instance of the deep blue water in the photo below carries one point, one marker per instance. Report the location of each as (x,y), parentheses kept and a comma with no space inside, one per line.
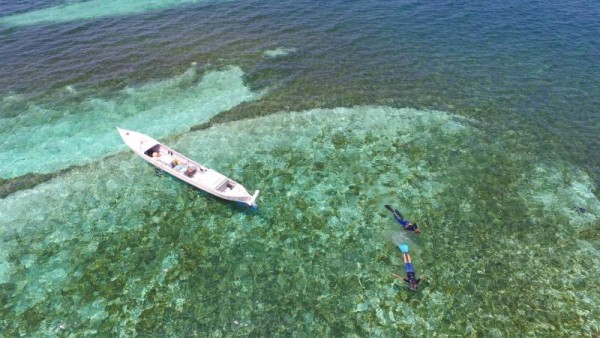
(530,64)
(523,75)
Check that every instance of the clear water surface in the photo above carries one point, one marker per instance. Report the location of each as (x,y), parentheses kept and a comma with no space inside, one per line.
(478,120)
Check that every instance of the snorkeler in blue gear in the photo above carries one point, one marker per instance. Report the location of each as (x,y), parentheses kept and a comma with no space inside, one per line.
(411,279)
(404,223)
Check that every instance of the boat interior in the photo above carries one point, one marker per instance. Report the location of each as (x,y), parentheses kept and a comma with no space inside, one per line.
(174,160)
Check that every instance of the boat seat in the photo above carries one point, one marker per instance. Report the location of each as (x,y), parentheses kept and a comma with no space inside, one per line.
(225,185)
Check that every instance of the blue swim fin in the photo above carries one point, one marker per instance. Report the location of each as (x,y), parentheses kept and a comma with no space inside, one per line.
(403,248)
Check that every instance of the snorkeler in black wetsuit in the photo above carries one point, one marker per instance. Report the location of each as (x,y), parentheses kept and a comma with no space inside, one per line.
(404,223)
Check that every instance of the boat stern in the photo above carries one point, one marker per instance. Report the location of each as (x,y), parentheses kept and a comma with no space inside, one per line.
(252,202)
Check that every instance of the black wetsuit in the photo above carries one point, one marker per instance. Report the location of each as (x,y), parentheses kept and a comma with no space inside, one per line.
(411,280)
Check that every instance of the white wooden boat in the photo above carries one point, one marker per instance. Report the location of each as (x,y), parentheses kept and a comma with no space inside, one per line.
(185,169)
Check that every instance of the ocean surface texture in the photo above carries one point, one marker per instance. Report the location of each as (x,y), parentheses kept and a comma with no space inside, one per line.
(479,120)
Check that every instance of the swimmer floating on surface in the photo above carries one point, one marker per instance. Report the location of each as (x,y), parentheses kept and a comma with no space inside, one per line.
(404,223)
(412,281)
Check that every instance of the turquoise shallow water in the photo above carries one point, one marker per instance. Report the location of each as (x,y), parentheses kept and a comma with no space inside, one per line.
(47,139)
(478,121)
(154,257)
(82,10)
